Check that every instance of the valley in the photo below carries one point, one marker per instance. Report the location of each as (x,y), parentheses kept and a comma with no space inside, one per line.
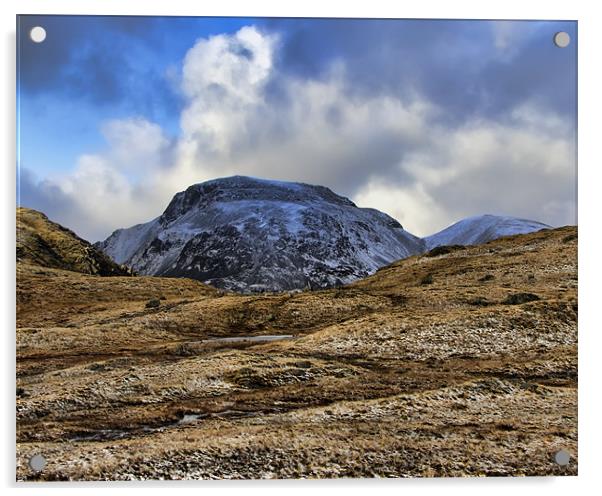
(458,362)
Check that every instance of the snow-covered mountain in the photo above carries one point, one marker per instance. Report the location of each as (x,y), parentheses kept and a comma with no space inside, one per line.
(480,229)
(248,234)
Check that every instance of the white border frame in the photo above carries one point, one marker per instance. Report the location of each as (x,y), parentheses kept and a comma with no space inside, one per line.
(590,83)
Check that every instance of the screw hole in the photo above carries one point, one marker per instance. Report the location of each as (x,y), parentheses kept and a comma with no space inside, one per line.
(562,457)
(562,39)
(37,463)
(37,34)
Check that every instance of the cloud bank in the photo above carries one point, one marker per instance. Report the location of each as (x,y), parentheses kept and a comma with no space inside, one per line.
(401,152)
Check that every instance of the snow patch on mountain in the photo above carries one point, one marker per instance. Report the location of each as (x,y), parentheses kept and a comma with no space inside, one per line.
(482,228)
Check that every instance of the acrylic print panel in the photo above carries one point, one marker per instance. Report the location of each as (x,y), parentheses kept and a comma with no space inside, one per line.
(295,248)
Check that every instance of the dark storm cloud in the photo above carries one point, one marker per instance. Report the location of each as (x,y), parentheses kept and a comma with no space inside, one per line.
(539,72)
(70,40)
(455,64)
(99,59)
(429,121)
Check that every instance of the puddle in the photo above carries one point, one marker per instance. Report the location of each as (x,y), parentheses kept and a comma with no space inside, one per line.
(246,339)
(187,418)
(103,435)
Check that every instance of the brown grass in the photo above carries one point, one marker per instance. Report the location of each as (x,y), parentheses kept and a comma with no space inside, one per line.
(386,377)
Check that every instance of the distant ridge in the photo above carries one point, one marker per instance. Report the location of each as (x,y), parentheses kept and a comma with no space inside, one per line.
(481,229)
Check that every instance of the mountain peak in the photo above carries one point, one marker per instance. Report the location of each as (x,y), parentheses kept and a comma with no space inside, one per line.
(250,234)
(244,188)
(481,229)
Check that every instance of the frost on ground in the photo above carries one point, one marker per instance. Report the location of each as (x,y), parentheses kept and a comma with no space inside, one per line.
(462,363)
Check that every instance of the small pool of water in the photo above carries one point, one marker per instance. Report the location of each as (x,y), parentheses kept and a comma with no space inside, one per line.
(187,418)
(233,339)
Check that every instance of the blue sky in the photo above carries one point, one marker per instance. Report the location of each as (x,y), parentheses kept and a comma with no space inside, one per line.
(429,121)
(90,69)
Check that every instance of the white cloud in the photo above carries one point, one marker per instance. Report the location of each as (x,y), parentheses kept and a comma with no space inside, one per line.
(135,144)
(119,187)
(394,154)
(517,168)
(223,78)
(411,205)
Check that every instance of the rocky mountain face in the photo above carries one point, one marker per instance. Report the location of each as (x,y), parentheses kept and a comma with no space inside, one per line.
(48,244)
(481,229)
(247,234)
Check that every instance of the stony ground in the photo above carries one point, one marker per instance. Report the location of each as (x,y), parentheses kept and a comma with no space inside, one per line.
(462,362)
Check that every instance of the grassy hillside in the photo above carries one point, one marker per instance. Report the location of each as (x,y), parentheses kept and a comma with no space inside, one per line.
(458,362)
(48,244)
